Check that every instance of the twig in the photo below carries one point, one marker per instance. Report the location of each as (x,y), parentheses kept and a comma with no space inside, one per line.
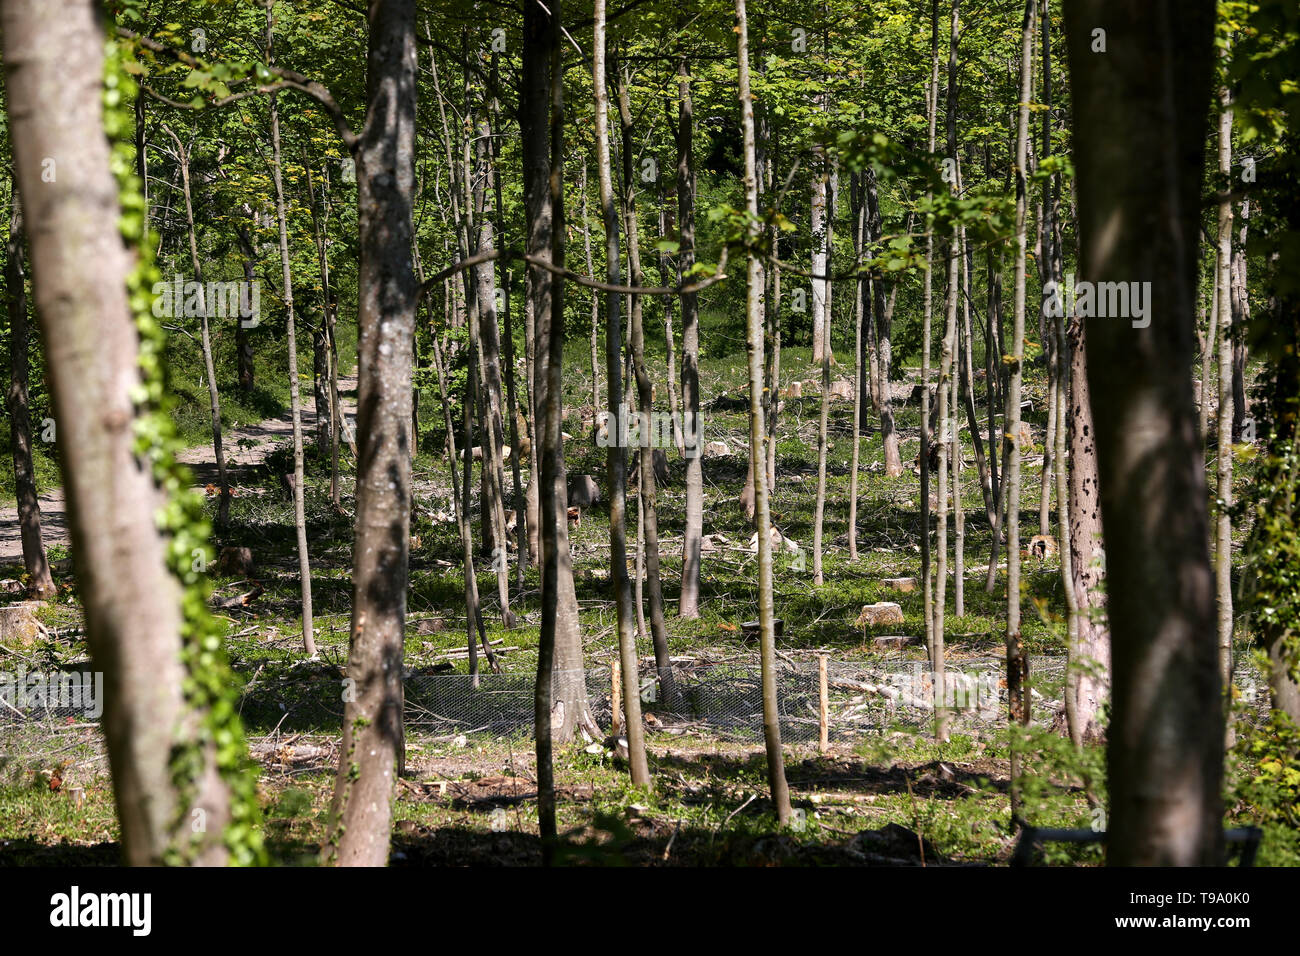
(739,808)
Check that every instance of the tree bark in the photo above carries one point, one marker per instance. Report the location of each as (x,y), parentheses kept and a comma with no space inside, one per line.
(616,456)
(295,401)
(927,573)
(372,749)
(647,493)
(1018,700)
(780,792)
(884,320)
(490,362)
(53,61)
(561,695)
(1090,648)
(688,605)
(1139,206)
(1223,495)
(214,400)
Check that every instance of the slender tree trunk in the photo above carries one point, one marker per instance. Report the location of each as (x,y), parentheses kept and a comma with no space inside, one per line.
(508,353)
(490,362)
(982,463)
(372,752)
(1089,665)
(40,584)
(822,353)
(474,627)
(884,318)
(772,327)
(858,219)
(780,792)
(1017,661)
(616,458)
(927,573)
(1223,504)
(214,401)
(321,226)
(647,493)
(1209,353)
(295,401)
(243,338)
(561,705)
(688,605)
(674,397)
(595,312)
(1240,318)
(957,384)
(1139,210)
(818,219)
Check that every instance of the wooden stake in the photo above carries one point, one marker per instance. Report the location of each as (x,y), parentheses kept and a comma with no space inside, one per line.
(616,699)
(823,722)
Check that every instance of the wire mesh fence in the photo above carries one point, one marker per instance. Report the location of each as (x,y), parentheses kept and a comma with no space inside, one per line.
(707,698)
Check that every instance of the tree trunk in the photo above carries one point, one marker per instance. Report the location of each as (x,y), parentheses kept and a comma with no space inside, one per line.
(647,493)
(1138,215)
(372,749)
(561,693)
(857,218)
(927,574)
(1223,495)
(490,363)
(884,318)
(822,355)
(616,458)
(688,605)
(40,585)
(595,313)
(243,340)
(295,401)
(53,60)
(780,792)
(1090,649)
(1018,700)
(1240,318)
(320,225)
(214,401)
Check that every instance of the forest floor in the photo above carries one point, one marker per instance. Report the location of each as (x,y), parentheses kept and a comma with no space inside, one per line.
(885,792)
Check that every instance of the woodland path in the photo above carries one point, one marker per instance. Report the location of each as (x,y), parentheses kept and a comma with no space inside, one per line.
(245,447)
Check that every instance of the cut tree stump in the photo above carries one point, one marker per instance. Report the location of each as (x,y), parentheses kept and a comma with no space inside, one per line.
(882,612)
(236,562)
(19,625)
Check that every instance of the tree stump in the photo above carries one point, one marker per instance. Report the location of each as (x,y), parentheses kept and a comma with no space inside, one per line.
(19,624)
(882,612)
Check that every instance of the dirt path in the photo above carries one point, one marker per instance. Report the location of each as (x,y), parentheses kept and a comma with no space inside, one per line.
(244,447)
